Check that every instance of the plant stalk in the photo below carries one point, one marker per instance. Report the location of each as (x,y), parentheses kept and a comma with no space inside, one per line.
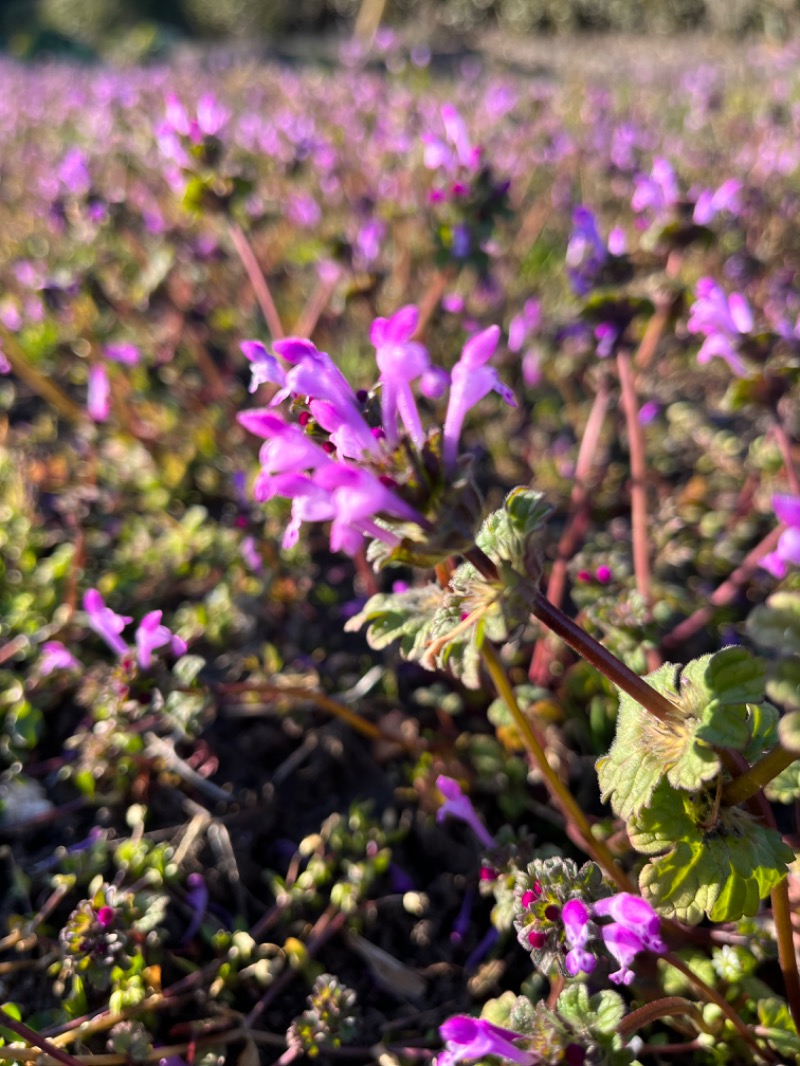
(27,1034)
(751,781)
(638,461)
(555,786)
(594,652)
(260,287)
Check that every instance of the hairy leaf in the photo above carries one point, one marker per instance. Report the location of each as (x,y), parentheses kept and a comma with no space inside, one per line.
(708,863)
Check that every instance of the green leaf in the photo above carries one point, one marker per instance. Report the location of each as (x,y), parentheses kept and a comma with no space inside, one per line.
(776,624)
(591,1017)
(719,866)
(789,732)
(785,788)
(775,1017)
(404,616)
(716,700)
(783,683)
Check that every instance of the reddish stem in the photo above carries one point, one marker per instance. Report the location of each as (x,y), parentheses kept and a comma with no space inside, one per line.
(641,552)
(257,280)
(574,530)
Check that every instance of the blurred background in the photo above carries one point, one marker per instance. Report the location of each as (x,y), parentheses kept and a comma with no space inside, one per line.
(134,29)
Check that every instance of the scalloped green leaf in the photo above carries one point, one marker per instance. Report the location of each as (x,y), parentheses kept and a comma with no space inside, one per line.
(776,1020)
(785,788)
(722,871)
(404,616)
(783,683)
(591,1016)
(775,625)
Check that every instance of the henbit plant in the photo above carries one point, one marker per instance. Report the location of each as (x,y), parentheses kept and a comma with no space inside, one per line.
(684,734)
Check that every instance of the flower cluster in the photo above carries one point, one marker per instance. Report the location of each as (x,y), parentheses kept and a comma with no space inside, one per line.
(344,462)
(108,625)
(724,321)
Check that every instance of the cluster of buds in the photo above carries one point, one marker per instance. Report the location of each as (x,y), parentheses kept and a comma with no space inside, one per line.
(328,1022)
(348,459)
(96,937)
(558,919)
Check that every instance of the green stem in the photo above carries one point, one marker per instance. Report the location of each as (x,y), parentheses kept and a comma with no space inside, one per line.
(555,786)
(39,382)
(748,784)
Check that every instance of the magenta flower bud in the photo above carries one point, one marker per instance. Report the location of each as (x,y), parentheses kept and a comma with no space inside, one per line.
(459,806)
(603,574)
(488,873)
(537,939)
(528,898)
(584,575)
(105,916)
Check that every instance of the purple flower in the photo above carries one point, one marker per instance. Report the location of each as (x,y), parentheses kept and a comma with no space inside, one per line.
(578,930)
(723,321)
(474,1038)
(56,657)
(459,806)
(197,898)
(264,368)
(728,197)
(5,366)
(73,172)
(106,623)
(471,381)
(787,510)
(657,193)
(151,635)
(586,251)
(635,928)
(400,361)
(524,324)
(98,403)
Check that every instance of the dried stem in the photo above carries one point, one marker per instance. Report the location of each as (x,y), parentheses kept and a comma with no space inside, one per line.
(257,280)
(555,786)
(575,528)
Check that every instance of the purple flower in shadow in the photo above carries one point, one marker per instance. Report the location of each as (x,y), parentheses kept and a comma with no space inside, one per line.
(106,623)
(459,806)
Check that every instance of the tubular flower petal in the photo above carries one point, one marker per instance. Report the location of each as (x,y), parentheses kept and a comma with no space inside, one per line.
(106,623)
(459,806)
(473,1038)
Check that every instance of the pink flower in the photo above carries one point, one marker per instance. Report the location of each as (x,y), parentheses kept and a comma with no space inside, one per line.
(474,1038)
(106,623)
(459,806)
(787,510)
(98,394)
(400,361)
(151,635)
(56,657)
(471,381)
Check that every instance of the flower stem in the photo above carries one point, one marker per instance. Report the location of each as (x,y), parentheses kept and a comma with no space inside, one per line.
(257,280)
(40,383)
(787,957)
(555,786)
(749,783)
(724,593)
(638,461)
(594,652)
(669,1007)
(36,1040)
(575,528)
